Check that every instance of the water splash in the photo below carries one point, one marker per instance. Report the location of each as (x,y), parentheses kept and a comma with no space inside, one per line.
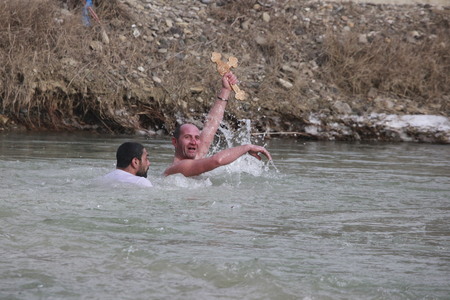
(178,180)
(273,165)
(241,136)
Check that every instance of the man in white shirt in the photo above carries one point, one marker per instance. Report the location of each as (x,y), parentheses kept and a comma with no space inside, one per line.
(132,165)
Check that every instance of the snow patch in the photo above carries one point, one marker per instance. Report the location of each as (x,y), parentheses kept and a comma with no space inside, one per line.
(422,128)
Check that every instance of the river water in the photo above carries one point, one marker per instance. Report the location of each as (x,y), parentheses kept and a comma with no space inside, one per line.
(328,221)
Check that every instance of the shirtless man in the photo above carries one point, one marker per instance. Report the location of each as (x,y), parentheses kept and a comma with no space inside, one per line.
(192,145)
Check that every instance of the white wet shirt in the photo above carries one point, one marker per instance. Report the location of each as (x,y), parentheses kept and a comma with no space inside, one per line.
(125,177)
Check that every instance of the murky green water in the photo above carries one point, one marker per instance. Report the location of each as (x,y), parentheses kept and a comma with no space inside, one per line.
(339,221)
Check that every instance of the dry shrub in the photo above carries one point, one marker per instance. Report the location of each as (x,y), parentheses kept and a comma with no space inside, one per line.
(232,10)
(56,73)
(392,65)
(109,10)
(29,35)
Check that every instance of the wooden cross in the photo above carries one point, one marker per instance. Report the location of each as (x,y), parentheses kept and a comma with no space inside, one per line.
(224,67)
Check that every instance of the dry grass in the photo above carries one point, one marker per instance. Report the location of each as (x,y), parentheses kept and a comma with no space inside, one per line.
(57,74)
(394,66)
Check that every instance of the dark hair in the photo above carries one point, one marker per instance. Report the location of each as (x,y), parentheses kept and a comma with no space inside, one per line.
(176,132)
(126,152)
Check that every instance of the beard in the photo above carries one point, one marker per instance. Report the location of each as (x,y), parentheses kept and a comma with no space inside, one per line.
(142,173)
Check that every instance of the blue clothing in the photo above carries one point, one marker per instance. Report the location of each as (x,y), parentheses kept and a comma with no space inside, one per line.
(85,13)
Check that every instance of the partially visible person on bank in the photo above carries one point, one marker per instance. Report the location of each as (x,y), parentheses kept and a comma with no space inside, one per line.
(192,145)
(132,165)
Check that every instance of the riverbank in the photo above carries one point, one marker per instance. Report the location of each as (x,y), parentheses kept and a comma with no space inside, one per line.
(316,69)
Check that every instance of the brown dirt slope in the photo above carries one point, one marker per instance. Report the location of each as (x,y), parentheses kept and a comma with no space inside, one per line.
(147,65)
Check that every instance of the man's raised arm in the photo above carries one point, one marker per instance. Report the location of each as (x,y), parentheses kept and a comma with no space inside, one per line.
(215,115)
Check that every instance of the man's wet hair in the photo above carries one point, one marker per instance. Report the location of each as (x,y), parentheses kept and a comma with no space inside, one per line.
(126,152)
(176,132)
